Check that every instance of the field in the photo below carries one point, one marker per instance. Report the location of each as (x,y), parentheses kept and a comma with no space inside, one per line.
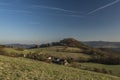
(114,68)
(52,51)
(26,69)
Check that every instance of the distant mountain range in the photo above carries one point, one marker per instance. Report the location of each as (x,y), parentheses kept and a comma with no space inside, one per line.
(94,44)
(27,46)
(102,44)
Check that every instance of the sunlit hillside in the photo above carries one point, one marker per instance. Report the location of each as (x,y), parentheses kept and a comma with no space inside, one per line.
(27,69)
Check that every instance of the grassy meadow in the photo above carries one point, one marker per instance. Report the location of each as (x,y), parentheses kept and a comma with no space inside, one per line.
(114,68)
(26,69)
(19,68)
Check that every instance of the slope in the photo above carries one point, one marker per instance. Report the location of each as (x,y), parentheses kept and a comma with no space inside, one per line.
(27,69)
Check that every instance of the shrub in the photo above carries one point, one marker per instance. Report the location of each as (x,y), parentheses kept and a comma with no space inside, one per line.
(110,71)
(104,71)
(20,49)
(37,56)
(2,51)
(75,65)
(96,70)
(70,60)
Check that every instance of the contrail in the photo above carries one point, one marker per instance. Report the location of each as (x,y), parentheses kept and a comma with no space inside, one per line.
(105,6)
(55,8)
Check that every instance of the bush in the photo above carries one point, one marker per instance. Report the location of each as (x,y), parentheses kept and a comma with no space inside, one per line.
(75,65)
(37,56)
(2,51)
(104,71)
(96,70)
(70,60)
(106,59)
(20,49)
(110,71)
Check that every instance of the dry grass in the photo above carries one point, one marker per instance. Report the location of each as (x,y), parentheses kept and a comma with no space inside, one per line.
(26,69)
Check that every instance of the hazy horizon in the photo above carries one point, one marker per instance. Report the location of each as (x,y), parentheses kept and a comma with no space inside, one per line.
(45,42)
(41,21)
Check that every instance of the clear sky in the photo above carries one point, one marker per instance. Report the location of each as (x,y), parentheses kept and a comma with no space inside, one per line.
(40,21)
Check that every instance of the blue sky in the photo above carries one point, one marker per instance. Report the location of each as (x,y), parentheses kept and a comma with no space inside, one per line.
(41,21)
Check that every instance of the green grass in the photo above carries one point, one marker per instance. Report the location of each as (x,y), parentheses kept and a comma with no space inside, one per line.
(114,68)
(27,69)
(57,51)
(13,50)
(10,50)
(70,52)
(52,51)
